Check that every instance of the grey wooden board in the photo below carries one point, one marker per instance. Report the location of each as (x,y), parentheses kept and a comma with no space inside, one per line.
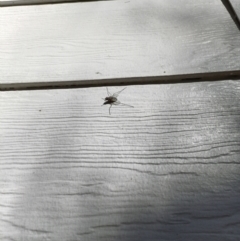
(167,169)
(109,42)
(236,6)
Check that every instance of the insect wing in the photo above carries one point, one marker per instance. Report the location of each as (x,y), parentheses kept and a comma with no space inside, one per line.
(119,103)
(117,93)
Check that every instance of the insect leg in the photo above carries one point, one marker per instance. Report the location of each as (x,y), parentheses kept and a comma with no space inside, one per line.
(110,109)
(103,103)
(109,94)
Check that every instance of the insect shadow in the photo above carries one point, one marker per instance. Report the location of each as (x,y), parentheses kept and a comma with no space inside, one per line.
(111,99)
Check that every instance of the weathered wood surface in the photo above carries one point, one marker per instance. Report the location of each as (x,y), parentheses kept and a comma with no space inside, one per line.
(109,42)
(167,169)
(236,6)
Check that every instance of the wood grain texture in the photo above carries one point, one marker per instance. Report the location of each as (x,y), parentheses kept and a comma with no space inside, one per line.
(167,169)
(109,42)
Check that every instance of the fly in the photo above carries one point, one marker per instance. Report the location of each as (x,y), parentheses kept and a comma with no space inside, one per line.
(112,100)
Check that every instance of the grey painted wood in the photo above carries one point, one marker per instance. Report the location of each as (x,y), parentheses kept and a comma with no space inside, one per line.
(167,169)
(112,42)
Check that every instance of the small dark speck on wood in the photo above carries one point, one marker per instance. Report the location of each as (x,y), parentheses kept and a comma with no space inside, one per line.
(111,99)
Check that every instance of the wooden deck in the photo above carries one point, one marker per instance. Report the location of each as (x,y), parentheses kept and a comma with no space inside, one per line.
(117,42)
(167,169)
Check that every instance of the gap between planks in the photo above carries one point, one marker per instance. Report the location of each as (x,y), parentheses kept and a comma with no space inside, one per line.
(236,6)
(16,3)
(233,11)
(178,79)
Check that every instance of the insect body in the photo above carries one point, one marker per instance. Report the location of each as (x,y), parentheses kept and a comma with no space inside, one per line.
(112,100)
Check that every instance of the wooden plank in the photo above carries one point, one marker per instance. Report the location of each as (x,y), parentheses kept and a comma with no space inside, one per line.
(167,169)
(116,42)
